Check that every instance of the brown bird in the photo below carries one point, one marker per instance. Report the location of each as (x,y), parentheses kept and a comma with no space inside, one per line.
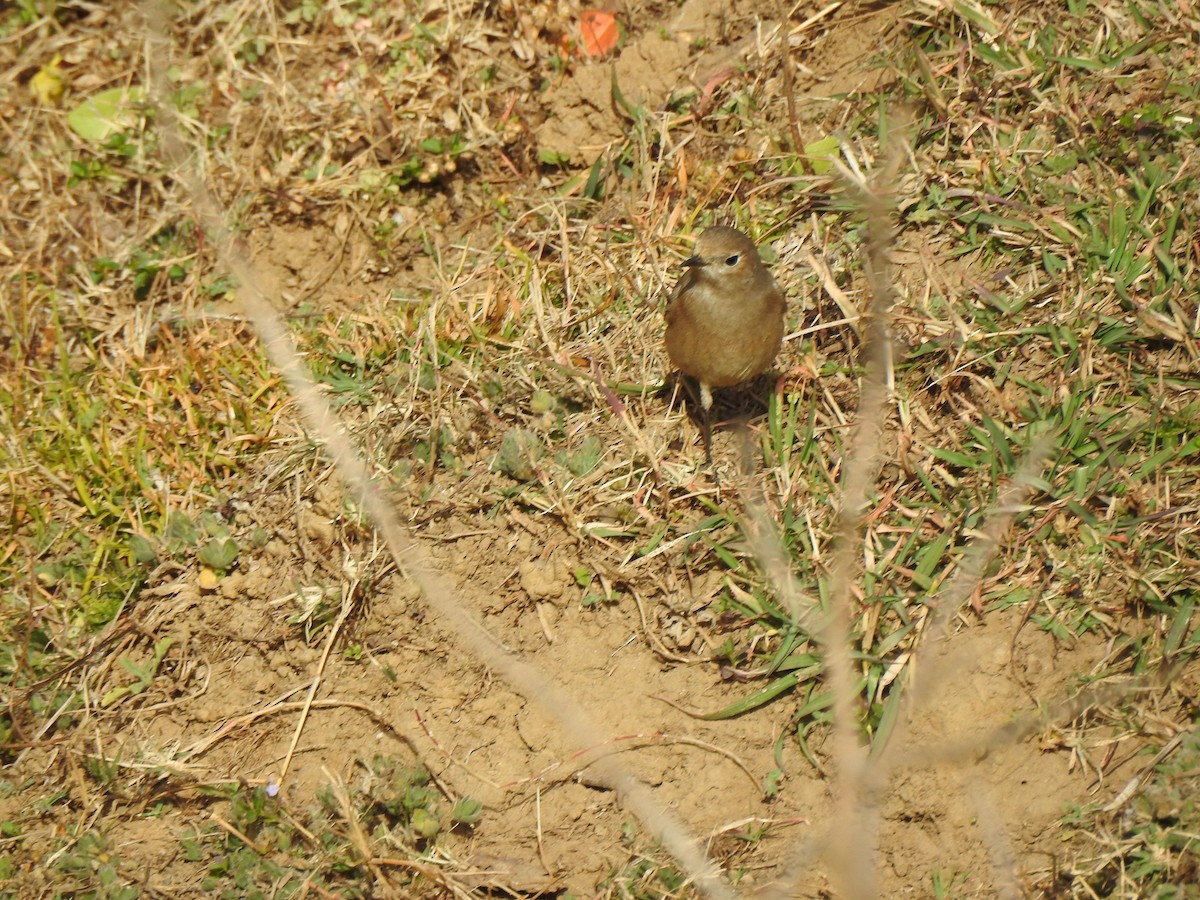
(725,317)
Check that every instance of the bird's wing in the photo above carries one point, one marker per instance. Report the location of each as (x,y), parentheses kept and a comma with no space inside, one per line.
(674,307)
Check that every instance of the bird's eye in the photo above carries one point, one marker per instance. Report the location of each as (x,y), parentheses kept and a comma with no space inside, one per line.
(732,261)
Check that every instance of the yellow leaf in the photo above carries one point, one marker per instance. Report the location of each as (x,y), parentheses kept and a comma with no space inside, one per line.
(49,83)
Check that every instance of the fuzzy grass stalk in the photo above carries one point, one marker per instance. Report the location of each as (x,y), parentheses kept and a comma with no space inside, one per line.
(851,843)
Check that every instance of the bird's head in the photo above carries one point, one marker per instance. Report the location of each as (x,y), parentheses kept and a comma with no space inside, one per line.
(725,255)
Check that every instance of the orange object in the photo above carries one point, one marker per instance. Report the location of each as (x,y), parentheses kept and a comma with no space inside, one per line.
(598,32)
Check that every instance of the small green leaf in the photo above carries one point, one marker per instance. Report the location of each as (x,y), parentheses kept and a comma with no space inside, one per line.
(771,783)
(553,158)
(754,701)
(542,402)
(219,554)
(822,153)
(1061,163)
(212,526)
(425,824)
(112,696)
(582,461)
(955,458)
(519,452)
(180,529)
(102,115)
(143,550)
(467,811)
(633,110)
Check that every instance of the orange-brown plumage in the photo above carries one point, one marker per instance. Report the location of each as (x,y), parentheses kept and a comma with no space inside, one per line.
(726,315)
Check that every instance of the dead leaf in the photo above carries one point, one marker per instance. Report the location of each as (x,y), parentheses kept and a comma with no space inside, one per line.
(599,32)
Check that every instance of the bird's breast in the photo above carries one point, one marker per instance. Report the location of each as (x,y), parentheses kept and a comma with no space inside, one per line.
(723,341)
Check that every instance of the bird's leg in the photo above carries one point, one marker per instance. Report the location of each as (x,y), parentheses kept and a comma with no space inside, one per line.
(706,405)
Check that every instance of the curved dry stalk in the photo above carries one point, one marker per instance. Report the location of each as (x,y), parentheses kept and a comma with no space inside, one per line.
(859,781)
(849,846)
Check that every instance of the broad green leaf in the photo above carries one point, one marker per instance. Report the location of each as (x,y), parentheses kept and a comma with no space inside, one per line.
(822,153)
(102,115)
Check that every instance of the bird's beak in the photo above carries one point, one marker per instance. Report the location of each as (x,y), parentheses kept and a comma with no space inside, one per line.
(693,262)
